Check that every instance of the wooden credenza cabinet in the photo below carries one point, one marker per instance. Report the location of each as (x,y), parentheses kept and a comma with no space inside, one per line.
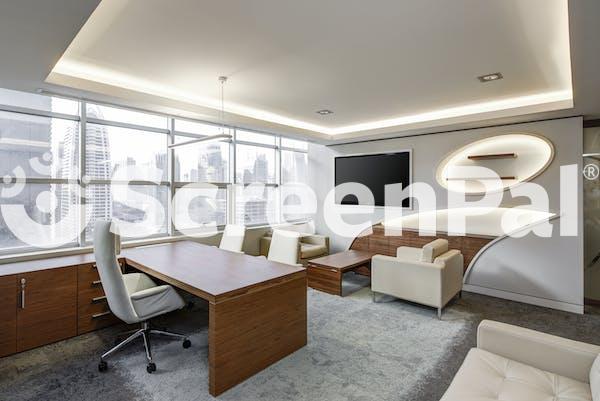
(47,311)
(44,306)
(8,314)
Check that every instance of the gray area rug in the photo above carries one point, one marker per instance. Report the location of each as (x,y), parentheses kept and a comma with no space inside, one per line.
(357,350)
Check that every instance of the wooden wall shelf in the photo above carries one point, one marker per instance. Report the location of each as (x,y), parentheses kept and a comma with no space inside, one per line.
(509,177)
(493,156)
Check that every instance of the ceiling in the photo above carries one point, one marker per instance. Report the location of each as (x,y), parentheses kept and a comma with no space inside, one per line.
(400,68)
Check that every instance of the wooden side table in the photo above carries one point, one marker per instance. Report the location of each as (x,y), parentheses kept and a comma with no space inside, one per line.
(325,273)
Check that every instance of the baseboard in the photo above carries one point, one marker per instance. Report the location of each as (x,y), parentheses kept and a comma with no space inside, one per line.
(528,299)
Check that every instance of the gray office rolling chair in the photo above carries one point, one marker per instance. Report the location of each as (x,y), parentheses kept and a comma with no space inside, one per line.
(133,297)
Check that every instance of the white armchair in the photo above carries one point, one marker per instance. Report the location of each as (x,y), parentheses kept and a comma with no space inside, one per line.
(430,276)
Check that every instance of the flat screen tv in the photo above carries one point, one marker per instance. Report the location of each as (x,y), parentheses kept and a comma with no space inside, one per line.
(374,171)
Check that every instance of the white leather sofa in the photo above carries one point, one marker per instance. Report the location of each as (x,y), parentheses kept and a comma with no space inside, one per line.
(431,275)
(311,245)
(512,363)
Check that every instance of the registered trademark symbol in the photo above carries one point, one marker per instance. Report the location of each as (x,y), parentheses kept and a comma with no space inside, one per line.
(591,171)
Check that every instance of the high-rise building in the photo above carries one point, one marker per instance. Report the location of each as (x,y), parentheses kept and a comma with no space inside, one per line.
(99,205)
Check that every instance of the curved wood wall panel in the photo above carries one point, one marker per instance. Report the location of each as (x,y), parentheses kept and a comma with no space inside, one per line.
(378,242)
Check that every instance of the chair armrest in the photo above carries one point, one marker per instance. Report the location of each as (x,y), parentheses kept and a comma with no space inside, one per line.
(265,244)
(149,292)
(315,239)
(452,277)
(553,354)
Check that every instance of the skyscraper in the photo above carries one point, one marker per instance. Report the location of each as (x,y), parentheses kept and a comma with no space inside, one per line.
(98,166)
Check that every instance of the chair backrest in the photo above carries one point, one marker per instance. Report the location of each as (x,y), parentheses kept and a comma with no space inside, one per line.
(110,273)
(304,228)
(285,247)
(434,249)
(233,238)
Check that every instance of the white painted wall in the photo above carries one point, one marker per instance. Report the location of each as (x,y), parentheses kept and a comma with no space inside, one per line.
(429,150)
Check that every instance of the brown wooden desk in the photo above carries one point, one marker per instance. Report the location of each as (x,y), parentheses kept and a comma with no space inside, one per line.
(257,308)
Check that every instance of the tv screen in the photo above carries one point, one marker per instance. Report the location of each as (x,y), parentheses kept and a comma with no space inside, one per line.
(374,171)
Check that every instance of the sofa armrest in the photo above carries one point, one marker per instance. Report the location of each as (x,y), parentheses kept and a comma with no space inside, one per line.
(554,354)
(315,239)
(265,244)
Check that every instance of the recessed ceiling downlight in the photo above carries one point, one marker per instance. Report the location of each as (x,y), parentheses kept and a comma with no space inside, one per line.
(324,112)
(490,77)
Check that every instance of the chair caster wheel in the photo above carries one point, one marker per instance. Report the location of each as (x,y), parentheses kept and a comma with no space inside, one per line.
(187,343)
(102,366)
(151,367)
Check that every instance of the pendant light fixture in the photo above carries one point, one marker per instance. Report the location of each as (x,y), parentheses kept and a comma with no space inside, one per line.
(222,135)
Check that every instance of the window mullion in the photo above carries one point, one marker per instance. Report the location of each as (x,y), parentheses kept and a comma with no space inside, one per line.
(82,169)
(171,175)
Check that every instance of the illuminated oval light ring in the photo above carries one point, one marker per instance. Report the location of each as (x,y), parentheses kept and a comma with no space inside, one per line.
(518,157)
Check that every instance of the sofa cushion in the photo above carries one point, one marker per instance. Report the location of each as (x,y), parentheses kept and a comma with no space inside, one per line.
(595,379)
(311,250)
(434,249)
(487,376)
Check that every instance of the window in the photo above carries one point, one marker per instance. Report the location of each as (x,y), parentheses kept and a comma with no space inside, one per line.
(263,139)
(117,114)
(194,207)
(201,129)
(122,153)
(256,205)
(141,204)
(294,144)
(39,102)
(202,161)
(31,213)
(294,167)
(255,164)
(42,147)
(137,163)
(127,172)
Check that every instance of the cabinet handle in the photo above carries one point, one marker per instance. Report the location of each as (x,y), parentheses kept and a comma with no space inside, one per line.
(98,315)
(99,299)
(23,282)
(96,282)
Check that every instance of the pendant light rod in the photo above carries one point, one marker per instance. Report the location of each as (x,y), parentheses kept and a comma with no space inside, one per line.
(222,80)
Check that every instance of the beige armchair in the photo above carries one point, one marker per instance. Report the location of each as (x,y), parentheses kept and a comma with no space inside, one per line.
(430,276)
(311,245)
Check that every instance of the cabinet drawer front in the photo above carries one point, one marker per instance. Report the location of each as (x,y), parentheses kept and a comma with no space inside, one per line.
(93,315)
(87,274)
(8,315)
(92,312)
(49,312)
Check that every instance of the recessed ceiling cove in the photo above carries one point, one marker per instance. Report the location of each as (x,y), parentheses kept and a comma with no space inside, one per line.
(397,65)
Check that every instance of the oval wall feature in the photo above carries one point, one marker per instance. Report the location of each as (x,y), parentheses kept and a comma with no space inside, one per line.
(515,157)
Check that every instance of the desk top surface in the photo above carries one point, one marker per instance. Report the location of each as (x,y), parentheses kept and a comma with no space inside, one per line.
(206,271)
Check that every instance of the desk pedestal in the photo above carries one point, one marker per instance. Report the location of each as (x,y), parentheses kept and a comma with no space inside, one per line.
(252,330)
